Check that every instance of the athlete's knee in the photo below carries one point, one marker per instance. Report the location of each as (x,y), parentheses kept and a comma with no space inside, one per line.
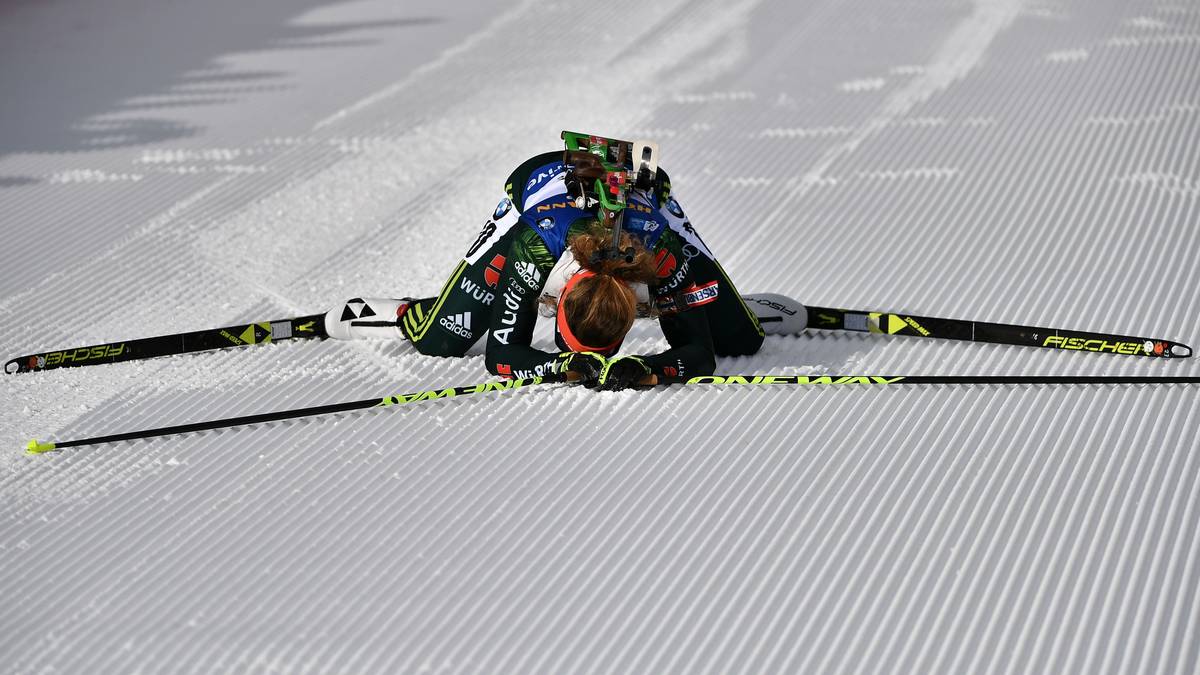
(448,328)
(743,343)
(435,344)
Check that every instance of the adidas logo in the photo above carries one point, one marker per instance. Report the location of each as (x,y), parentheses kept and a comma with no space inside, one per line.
(529,274)
(459,324)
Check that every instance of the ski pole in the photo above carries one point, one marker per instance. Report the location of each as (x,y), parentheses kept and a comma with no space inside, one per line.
(37,447)
(940,379)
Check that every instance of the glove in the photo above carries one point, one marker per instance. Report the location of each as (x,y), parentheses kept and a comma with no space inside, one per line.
(624,372)
(582,367)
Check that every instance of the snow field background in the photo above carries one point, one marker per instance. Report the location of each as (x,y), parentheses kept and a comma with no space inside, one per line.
(1031,162)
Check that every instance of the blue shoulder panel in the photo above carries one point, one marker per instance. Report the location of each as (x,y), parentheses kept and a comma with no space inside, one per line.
(540,178)
(552,219)
(552,215)
(644,219)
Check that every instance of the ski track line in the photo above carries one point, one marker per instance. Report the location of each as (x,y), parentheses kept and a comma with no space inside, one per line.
(580,486)
(491,471)
(908,514)
(959,53)
(912,548)
(655,517)
(814,593)
(1029,516)
(763,538)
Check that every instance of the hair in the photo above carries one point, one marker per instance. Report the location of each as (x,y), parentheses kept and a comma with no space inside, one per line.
(600,309)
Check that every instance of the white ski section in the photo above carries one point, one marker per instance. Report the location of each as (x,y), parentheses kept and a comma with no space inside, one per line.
(1023,162)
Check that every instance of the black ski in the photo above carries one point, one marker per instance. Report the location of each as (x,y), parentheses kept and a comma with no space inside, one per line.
(242,335)
(313,327)
(998,333)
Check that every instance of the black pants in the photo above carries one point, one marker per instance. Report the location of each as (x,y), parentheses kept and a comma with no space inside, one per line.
(453,321)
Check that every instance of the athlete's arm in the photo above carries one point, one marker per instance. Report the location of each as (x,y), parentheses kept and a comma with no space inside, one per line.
(686,328)
(514,313)
(691,353)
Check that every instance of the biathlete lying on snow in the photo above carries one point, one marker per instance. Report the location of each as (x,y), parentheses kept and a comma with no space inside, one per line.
(567,205)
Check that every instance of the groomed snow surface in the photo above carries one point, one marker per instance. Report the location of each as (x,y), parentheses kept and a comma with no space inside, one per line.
(175,166)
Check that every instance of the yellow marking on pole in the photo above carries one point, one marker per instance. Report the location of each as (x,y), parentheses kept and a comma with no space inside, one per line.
(37,448)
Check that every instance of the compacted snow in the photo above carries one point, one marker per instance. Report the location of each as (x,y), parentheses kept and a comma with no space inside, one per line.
(167,167)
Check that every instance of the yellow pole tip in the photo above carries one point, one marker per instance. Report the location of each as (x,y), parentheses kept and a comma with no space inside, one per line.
(36,448)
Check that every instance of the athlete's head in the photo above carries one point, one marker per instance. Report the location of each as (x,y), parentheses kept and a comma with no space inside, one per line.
(597,306)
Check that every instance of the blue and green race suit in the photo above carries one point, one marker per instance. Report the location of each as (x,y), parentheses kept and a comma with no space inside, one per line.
(497,285)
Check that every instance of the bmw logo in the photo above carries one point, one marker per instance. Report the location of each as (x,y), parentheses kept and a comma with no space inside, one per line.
(546,223)
(503,208)
(673,207)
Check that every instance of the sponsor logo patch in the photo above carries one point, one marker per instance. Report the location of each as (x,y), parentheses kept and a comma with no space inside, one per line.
(665,261)
(529,274)
(543,177)
(508,316)
(546,223)
(476,291)
(80,355)
(674,281)
(540,370)
(542,208)
(502,208)
(489,228)
(1094,345)
(458,324)
(694,296)
(491,275)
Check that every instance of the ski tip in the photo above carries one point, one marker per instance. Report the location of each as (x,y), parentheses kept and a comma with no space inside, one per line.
(1182,351)
(12,367)
(37,448)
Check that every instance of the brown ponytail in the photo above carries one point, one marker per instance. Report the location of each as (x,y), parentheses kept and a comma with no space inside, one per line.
(600,309)
(585,246)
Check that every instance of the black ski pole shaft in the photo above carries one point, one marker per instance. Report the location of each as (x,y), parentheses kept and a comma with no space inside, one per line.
(241,335)
(888,323)
(36,447)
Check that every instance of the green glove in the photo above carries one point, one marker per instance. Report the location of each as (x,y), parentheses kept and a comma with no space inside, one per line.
(623,372)
(582,367)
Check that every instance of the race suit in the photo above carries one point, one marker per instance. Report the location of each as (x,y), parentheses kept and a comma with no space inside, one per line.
(497,285)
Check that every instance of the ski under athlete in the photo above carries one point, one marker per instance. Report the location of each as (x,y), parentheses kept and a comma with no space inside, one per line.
(546,215)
